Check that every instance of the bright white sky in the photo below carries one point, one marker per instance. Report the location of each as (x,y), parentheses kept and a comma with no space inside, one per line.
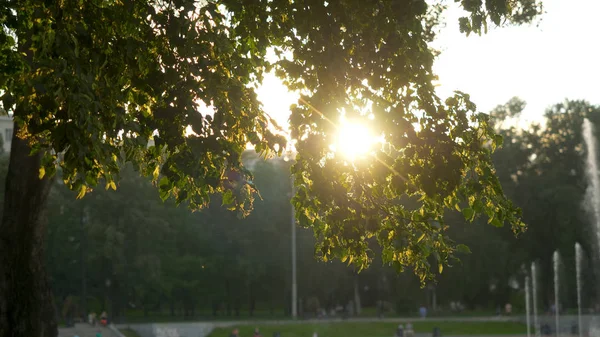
(543,64)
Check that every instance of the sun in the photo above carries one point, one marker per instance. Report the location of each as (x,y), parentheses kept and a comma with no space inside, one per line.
(354,140)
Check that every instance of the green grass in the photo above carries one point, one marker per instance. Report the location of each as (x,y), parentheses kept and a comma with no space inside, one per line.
(377,329)
(372,312)
(129,333)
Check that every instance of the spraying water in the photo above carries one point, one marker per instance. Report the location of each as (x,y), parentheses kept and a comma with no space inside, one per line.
(593,190)
(578,259)
(536,325)
(527,306)
(556,263)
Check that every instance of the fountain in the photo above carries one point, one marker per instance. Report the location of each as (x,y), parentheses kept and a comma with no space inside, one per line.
(527,306)
(556,264)
(593,190)
(536,324)
(578,260)
(592,202)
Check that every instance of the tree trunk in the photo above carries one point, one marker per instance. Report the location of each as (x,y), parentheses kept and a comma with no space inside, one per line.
(237,307)
(357,296)
(26,302)
(228,298)
(215,307)
(251,301)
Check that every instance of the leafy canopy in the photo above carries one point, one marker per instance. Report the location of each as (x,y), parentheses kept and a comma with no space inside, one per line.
(95,80)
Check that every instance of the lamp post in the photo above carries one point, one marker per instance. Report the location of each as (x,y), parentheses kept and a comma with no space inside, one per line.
(294,281)
(289,156)
(83,256)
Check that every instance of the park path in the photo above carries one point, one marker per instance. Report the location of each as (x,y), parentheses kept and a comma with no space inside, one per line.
(368,320)
(85,330)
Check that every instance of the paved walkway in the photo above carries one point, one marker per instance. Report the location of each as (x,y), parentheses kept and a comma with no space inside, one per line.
(85,330)
(367,319)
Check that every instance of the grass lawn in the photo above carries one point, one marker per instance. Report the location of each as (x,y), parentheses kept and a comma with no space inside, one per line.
(377,329)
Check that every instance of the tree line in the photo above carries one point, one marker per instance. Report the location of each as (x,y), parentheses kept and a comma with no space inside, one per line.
(132,254)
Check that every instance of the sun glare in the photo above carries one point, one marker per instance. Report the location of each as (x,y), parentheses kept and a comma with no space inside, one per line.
(276,99)
(354,140)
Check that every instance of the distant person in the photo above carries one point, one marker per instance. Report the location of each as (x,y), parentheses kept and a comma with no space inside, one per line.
(574,329)
(235,333)
(104,318)
(92,318)
(400,330)
(546,330)
(68,311)
(423,311)
(409,332)
(508,309)
(257,333)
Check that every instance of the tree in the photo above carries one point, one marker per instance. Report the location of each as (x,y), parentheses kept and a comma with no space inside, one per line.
(90,82)
(556,183)
(542,170)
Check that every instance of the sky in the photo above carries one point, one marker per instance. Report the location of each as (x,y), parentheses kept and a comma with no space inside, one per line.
(544,63)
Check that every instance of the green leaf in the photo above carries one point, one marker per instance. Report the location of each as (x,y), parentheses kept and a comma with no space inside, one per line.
(228,198)
(91,180)
(468,213)
(499,140)
(463,249)
(477,206)
(164,187)
(164,195)
(440,267)
(496,223)
(164,183)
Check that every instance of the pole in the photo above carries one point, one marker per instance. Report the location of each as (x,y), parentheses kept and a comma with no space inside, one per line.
(434,299)
(536,324)
(82,251)
(578,258)
(294,284)
(555,258)
(527,306)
